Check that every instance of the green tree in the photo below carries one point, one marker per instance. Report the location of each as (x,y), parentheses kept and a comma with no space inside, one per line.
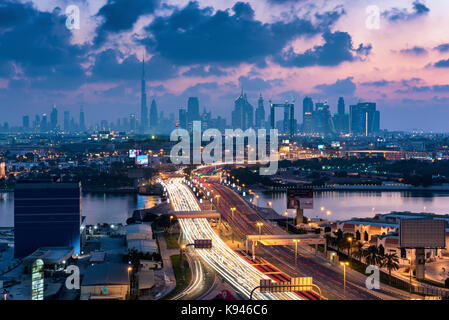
(391,262)
(359,253)
(372,256)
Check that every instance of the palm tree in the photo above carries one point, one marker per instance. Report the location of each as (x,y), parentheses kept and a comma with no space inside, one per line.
(359,253)
(391,262)
(372,256)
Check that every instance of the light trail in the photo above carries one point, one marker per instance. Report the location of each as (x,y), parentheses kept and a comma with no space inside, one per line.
(196,284)
(232,267)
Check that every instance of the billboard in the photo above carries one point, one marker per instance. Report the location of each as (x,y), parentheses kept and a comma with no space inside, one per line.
(203,243)
(142,159)
(300,198)
(422,233)
(133,153)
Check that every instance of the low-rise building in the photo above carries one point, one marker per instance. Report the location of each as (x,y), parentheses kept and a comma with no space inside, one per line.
(105,281)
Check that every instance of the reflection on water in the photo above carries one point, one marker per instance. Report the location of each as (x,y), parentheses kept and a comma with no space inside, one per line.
(347,205)
(98,208)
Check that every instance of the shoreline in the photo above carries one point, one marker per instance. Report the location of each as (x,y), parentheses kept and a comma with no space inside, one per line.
(358,188)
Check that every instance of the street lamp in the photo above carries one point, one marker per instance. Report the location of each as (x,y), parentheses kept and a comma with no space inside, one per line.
(410,273)
(296,250)
(129,288)
(350,248)
(232,212)
(344,264)
(181,262)
(322,208)
(260,224)
(286,223)
(328,213)
(269,204)
(171,218)
(218,200)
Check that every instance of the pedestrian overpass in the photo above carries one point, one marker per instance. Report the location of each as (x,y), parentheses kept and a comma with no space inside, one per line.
(207,214)
(284,240)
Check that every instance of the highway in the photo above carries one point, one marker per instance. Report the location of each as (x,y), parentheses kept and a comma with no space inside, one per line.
(244,220)
(227,263)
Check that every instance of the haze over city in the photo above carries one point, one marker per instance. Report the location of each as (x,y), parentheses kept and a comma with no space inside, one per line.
(212,49)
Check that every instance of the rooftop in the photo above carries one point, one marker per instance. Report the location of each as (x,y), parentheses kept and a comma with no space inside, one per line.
(106,274)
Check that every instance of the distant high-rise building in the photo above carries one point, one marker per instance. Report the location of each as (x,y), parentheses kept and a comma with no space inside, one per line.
(153,115)
(44,123)
(54,118)
(322,120)
(46,214)
(364,118)
(143,102)
(104,125)
(37,122)
(82,120)
(26,123)
(243,113)
(193,110)
(132,122)
(66,120)
(341,106)
(72,123)
(260,113)
(183,118)
(205,119)
(125,123)
(341,118)
(218,123)
(307,115)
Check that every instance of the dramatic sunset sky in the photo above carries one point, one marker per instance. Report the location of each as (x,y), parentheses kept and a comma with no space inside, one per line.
(285,49)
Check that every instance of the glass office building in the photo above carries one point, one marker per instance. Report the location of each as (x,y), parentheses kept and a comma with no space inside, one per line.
(46,214)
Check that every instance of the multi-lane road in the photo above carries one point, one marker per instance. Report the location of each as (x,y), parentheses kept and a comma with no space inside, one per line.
(244,220)
(232,267)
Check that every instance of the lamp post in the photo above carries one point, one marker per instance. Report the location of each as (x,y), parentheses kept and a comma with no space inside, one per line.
(218,200)
(296,250)
(129,283)
(344,264)
(232,212)
(269,204)
(286,222)
(260,224)
(256,197)
(181,262)
(328,213)
(171,218)
(410,273)
(350,248)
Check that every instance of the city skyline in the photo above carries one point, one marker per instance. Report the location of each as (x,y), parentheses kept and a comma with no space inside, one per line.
(322,50)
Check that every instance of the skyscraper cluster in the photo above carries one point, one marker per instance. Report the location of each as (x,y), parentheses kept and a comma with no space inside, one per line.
(186,116)
(42,124)
(362,119)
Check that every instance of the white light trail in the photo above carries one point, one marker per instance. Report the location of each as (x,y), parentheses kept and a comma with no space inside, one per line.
(225,261)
